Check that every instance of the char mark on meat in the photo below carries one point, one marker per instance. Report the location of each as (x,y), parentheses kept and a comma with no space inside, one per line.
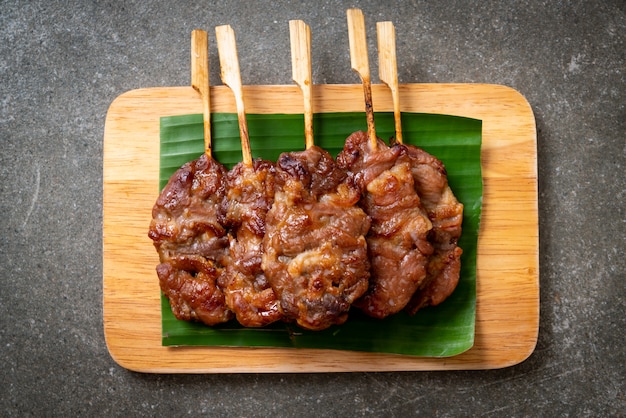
(250,193)
(191,242)
(315,253)
(397,241)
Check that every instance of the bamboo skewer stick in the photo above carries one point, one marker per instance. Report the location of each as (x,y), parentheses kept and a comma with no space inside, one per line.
(360,64)
(200,80)
(229,63)
(300,35)
(388,69)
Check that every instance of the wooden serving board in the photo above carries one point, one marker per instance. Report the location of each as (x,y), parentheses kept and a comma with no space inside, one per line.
(507,282)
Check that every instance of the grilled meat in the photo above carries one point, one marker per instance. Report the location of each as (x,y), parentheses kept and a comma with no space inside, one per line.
(249,195)
(308,238)
(191,242)
(446,214)
(315,253)
(397,241)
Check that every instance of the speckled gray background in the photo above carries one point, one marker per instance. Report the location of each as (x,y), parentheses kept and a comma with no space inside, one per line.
(62,64)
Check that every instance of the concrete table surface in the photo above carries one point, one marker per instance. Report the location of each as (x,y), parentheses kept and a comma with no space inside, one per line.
(63,63)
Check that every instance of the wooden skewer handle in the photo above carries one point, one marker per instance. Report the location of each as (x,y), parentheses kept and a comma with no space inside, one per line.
(200,80)
(300,35)
(360,64)
(231,76)
(388,69)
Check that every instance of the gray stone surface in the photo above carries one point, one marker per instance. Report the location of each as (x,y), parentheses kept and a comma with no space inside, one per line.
(62,64)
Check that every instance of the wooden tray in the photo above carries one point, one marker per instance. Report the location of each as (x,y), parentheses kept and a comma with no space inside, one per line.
(507,283)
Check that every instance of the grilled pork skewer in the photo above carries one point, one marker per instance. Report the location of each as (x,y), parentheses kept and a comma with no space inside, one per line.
(398,238)
(190,240)
(315,253)
(249,195)
(431,184)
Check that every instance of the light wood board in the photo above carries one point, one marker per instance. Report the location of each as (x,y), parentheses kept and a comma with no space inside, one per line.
(507,283)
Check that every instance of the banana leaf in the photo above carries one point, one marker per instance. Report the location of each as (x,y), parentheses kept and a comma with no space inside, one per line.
(440,331)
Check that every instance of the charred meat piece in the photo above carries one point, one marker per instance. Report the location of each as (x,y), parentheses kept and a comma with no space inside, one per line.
(250,193)
(446,214)
(191,242)
(190,284)
(315,253)
(397,241)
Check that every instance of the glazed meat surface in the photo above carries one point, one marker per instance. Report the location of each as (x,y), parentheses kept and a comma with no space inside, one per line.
(397,241)
(250,193)
(315,252)
(191,242)
(446,214)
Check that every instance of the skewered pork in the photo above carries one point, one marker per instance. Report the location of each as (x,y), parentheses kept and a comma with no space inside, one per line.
(431,184)
(249,195)
(223,252)
(191,242)
(315,253)
(446,214)
(397,242)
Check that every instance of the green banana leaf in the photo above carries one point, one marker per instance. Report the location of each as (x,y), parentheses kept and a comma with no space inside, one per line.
(441,331)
